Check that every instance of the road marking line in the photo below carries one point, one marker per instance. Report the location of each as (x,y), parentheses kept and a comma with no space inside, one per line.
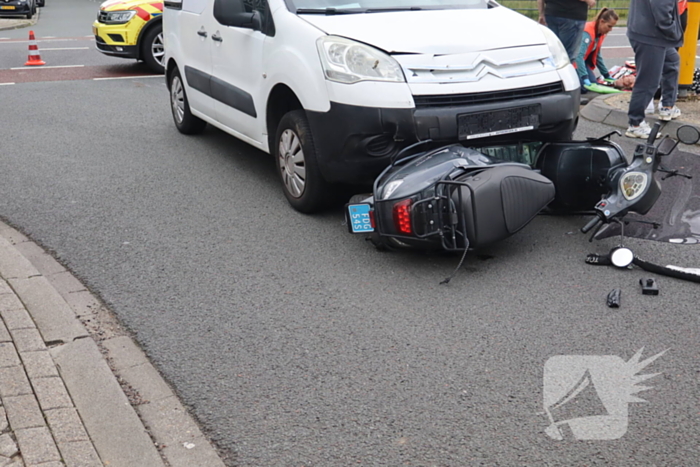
(127,77)
(45,67)
(4,84)
(65,48)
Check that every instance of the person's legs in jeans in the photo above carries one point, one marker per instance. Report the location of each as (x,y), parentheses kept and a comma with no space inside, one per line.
(669,77)
(649,61)
(569,32)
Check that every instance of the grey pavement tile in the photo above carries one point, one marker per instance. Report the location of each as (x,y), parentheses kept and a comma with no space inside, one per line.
(52,393)
(82,303)
(124,353)
(4,425)
(10,302)
(53,317)
(14,265)
(8,355)
(11,235)
(37,445)
(171,425)
(38,364)
(23,412)
(27,340)
(147,381)
(596,111)
(14,382)
(8,447)
(4,287)
(39,258)
(65,282)
(66,426)
(43,464)
(17,319)
(118,434)
(4,333)
(618,119)
(79,454)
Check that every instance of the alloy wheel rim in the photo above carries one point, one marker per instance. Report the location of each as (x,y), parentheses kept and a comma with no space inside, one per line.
(292,163)
(177,98)
(157,49)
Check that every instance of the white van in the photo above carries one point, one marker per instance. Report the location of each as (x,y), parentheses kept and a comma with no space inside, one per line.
(333,89)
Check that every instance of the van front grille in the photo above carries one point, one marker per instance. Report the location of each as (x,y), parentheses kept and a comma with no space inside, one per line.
(453,100)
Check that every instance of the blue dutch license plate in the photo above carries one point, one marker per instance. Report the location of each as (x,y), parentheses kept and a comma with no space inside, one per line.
(358,218)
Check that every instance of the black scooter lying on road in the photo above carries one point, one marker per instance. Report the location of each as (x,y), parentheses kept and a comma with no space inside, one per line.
(456,198)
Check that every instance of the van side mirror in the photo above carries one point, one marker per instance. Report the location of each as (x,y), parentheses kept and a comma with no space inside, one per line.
(232,13)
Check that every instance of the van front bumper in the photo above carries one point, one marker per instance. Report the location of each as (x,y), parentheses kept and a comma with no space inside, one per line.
(354,144)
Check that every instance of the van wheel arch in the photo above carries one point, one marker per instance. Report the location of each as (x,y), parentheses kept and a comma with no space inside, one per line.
(143,49)
(281,101)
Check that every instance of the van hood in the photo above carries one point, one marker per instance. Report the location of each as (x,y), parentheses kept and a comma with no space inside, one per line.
(121,5)
(434,31)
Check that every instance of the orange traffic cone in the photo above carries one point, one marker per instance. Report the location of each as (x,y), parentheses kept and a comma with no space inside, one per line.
(34,57)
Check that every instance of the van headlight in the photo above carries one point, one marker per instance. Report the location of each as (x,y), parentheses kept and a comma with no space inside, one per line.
(117,17)
(347,61)
(559,56)
(633,184)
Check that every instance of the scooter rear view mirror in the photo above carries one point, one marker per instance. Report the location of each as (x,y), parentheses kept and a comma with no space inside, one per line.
(622,257)
(688,134)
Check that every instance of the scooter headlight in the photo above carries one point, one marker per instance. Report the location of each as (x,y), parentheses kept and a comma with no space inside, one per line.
(348,62)
(633,184)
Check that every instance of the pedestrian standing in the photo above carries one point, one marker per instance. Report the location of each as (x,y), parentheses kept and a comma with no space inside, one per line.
(566,18)
(654,31)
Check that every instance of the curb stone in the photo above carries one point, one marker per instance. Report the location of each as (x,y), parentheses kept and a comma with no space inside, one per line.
(18,23)
(599,111)
(64,355)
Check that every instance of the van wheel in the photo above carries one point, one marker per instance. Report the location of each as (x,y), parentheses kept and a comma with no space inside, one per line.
(304,186)
(152,49)
(185,122)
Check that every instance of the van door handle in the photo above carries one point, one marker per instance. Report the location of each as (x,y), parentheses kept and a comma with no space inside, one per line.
(202,32)
(216,37)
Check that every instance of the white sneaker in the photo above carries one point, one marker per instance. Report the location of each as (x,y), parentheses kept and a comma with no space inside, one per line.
(650,108)
(669,113)
(641,131)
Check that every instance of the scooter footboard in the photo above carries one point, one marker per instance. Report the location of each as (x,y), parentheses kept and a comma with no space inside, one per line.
(496,203)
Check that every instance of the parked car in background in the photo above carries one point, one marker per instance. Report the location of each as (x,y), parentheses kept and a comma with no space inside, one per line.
(26,8)
(131,29)
(335,89)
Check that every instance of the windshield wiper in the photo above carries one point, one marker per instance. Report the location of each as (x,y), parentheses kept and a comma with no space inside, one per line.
(328,11)
(383,10)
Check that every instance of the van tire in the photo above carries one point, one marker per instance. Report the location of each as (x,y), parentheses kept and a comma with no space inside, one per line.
(185,122)
(297,164)
(152,48)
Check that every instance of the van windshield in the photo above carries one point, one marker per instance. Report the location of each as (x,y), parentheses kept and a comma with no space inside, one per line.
(335,7)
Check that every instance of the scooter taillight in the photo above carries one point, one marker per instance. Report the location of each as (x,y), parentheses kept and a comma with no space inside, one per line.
(402,216)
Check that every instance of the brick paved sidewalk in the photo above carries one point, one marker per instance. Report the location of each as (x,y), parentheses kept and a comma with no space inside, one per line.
(75,389)
(44,427)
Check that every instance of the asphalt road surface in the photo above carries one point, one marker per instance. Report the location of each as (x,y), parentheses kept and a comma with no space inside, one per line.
(297,344)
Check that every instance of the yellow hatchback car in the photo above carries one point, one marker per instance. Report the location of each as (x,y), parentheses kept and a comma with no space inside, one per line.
(131,29)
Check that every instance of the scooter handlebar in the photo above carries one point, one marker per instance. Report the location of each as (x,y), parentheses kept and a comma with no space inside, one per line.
(592,223)
(654,131)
